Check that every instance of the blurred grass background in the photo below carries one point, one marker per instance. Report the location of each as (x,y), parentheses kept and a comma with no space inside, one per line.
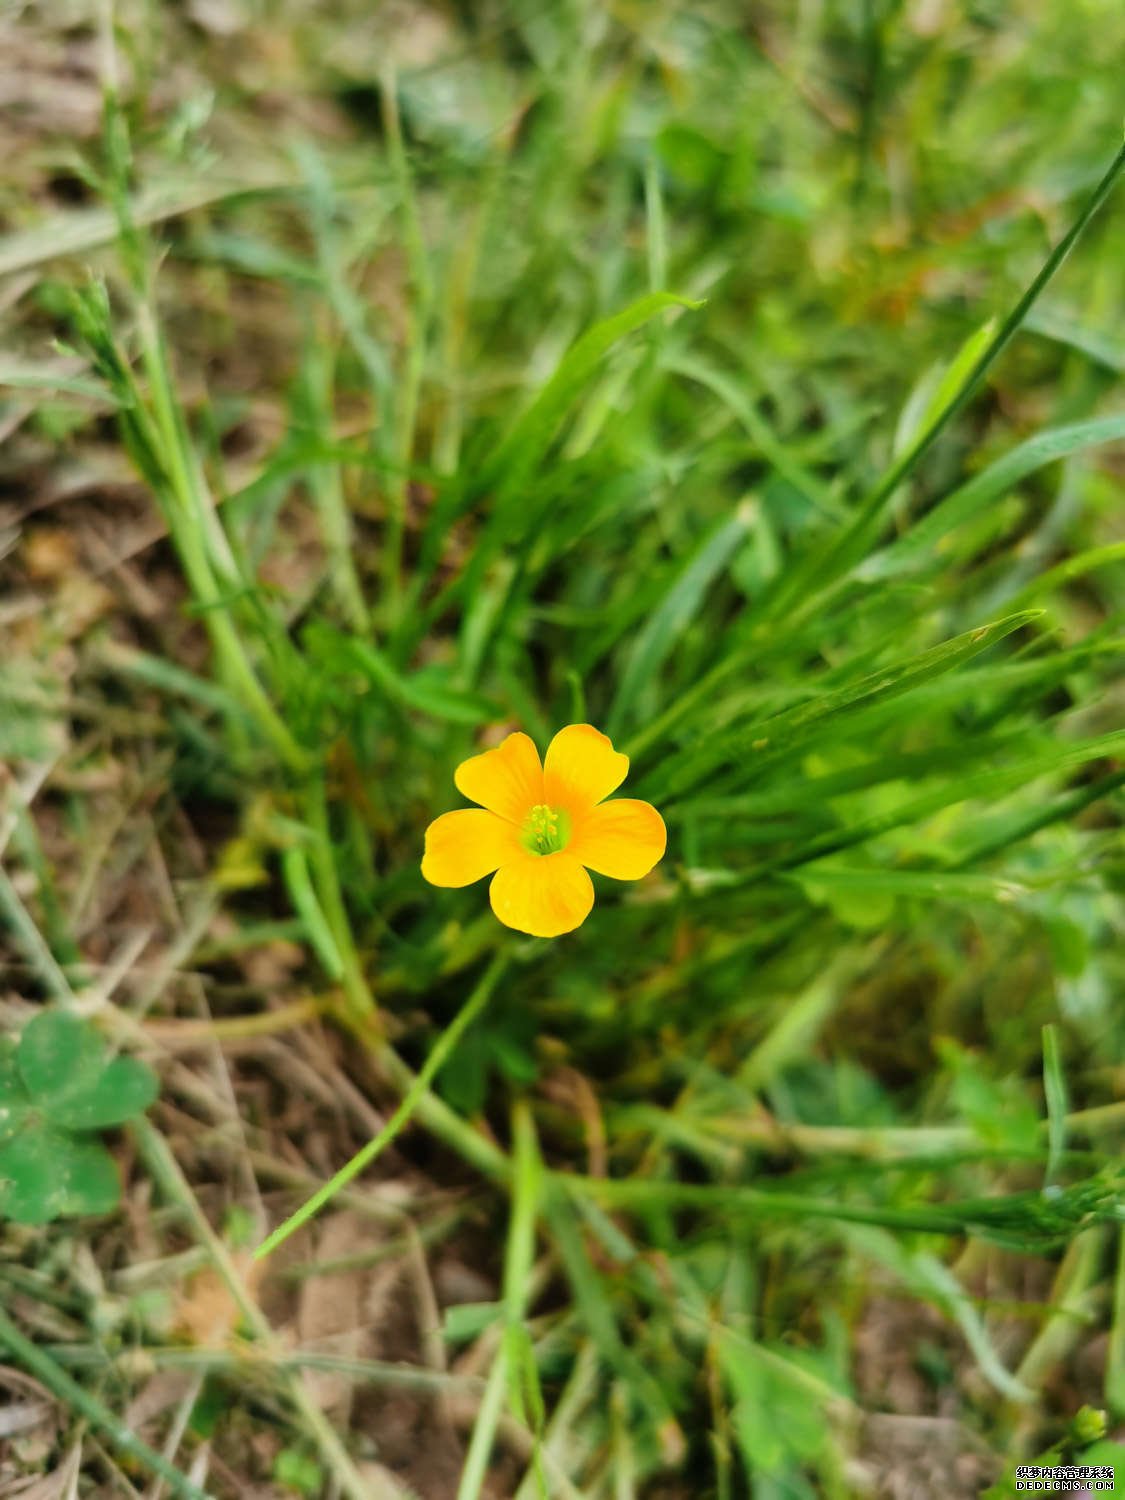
(378,380)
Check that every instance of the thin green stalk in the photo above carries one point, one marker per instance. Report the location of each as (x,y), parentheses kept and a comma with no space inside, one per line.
(1054,1091)
(1070,1317)
(439,1054)
(197,521)
(1027,1215)
(31,940)
(30,1357)
(295,868)
(1115,1357)
(250,1360)
(326,486)
(656,237)
(361,1001)
(563,1441)
(152,436)
(874,46)
(484,1429)
(1065,572)
(458,280)
(623,1460)
(160,426)
(884,1142)
(25,838)
(1065,809)
(527,1186)
(440,1120)
(526,1189)
(418,308)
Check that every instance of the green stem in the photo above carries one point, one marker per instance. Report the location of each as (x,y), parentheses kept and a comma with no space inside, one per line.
(415,1093)
(27,934)
(295,868)
(37,1362)
(952,1219)
(518,1259)
(484,1428)
(361,1002)
(1069,1319)
(1115,1356)
(444,1122)
(418,317)
(248,1362)
(884,1142)
(191,519)
(326,485)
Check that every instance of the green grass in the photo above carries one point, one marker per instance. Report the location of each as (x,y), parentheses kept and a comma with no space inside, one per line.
(728,385)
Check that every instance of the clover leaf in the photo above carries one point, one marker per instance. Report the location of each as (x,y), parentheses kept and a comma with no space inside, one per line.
(54,1086)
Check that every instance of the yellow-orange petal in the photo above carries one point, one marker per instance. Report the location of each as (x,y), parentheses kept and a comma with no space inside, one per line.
(542,894)
(465,846)
(507,780)
(624,839)
(581,768)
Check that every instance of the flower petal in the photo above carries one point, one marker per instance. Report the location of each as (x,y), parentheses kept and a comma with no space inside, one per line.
(624,839)
(581,768)
(507,780)
(465,846)
(542,894)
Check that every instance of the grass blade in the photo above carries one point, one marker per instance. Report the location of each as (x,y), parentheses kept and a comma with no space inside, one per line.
(675,612)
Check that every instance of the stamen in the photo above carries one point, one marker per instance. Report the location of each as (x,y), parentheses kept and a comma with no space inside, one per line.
(546,830)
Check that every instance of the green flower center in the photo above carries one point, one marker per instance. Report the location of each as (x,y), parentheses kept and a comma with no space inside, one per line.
(546,830)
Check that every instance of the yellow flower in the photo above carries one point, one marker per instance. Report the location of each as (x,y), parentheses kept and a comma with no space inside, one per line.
(540,827)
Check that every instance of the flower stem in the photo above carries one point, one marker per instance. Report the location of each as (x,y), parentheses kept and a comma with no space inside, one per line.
(413,1097)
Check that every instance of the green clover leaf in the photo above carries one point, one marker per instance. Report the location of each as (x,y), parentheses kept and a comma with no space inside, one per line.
(54,1086)
(59,1055)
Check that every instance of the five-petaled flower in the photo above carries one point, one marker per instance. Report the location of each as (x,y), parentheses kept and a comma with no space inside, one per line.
(540,827)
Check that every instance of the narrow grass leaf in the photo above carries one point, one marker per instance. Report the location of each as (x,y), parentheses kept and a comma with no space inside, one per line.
(992,484)
(957,375)
(1115,1357)
(675,612)
(1054,1092)
(781,734)
(81,230)
(772,448)
(939,885)
(298,882)
(984,785)
(1064,328)
(529,438)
